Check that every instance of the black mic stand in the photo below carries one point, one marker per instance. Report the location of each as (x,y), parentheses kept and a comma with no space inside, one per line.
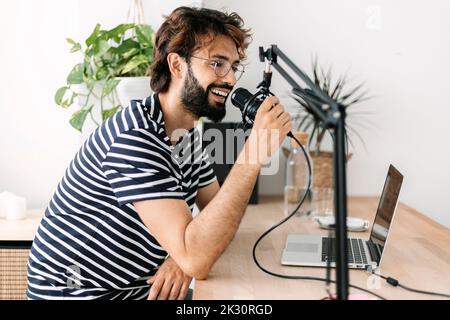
(333,117)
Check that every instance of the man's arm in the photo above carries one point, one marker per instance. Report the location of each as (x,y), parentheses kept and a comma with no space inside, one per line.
(206,194)
(196,244)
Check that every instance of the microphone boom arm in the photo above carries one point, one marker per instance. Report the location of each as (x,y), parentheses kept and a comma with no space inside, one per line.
(333,116)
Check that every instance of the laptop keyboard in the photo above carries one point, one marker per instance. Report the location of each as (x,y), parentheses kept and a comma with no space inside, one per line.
(355,250)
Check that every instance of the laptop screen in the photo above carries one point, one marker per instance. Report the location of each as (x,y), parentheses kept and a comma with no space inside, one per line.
(386,208)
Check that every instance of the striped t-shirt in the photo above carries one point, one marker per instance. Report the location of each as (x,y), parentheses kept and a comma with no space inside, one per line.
(91,242)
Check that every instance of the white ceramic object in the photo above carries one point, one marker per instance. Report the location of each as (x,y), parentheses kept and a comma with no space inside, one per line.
(12,207)
(353,224)
(131,88)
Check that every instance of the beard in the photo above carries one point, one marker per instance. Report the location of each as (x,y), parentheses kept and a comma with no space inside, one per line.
(195,99)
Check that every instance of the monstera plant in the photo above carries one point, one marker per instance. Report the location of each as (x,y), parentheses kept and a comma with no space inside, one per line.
(107,57)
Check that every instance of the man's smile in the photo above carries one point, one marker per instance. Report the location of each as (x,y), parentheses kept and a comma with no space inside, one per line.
(220,92)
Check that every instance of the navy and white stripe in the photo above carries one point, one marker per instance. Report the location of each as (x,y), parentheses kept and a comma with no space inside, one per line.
(91,242)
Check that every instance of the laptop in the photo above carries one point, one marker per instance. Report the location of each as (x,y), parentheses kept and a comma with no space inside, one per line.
(313,250)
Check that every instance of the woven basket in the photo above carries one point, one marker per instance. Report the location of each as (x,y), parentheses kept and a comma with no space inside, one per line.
(13,274)
(323,169)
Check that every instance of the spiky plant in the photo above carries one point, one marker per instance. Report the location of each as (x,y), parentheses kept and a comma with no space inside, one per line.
(307,121)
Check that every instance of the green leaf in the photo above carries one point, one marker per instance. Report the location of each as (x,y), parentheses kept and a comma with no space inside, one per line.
(78,118)
(108,113)
(100,47)
(335,92)
(102,73)
(76,75)
(110,85)
(65,104)
(93,35)
(68,102)
(126,46)
(144,34)
(118,31)
(90,83)
(131,53)
(153,39)
(59,95)
(74,95)
(134,62)
(141,71)
(88,71)
(321,134)
(311,137)
(76,47)
(149,53)
(305,123)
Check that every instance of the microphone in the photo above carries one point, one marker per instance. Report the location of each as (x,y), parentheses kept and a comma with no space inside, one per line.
(249,104)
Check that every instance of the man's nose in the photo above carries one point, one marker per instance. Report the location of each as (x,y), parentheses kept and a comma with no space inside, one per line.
(230,78)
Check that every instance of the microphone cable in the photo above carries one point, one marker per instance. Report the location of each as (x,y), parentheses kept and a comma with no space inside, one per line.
(327,280)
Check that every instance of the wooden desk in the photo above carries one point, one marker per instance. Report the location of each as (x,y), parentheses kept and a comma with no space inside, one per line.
(417,254)
(21,229)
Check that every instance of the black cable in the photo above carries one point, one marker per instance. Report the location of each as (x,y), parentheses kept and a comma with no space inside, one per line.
(395,283)
(326,280)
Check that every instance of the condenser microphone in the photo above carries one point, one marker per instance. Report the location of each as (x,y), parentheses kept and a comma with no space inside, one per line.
(249,104)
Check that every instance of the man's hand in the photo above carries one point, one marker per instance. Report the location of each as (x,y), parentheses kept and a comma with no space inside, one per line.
(169,282)
(270,128)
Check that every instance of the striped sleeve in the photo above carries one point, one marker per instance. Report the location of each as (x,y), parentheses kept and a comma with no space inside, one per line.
(137,168)
(206,175)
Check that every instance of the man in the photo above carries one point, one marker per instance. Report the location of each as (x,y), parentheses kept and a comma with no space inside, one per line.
(119,225)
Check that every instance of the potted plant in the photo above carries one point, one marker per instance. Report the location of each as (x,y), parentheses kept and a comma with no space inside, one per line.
(113,69)
(306,121)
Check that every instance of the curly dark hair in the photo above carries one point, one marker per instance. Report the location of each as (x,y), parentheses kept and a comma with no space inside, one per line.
(182,32)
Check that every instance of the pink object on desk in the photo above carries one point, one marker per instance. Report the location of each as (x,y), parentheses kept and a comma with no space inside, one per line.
(354,296)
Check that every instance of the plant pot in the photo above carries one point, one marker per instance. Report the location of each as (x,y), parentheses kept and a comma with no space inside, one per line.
(132,88)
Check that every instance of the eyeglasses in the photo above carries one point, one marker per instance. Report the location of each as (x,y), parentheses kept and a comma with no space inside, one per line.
(222,67)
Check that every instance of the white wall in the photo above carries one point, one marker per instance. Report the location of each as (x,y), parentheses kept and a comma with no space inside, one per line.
(402,55)
(401,49)
(36,139)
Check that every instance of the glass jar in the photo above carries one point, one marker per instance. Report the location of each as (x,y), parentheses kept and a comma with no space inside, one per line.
(297,177)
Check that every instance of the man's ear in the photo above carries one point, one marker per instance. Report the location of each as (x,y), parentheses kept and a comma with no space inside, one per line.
(176,65)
